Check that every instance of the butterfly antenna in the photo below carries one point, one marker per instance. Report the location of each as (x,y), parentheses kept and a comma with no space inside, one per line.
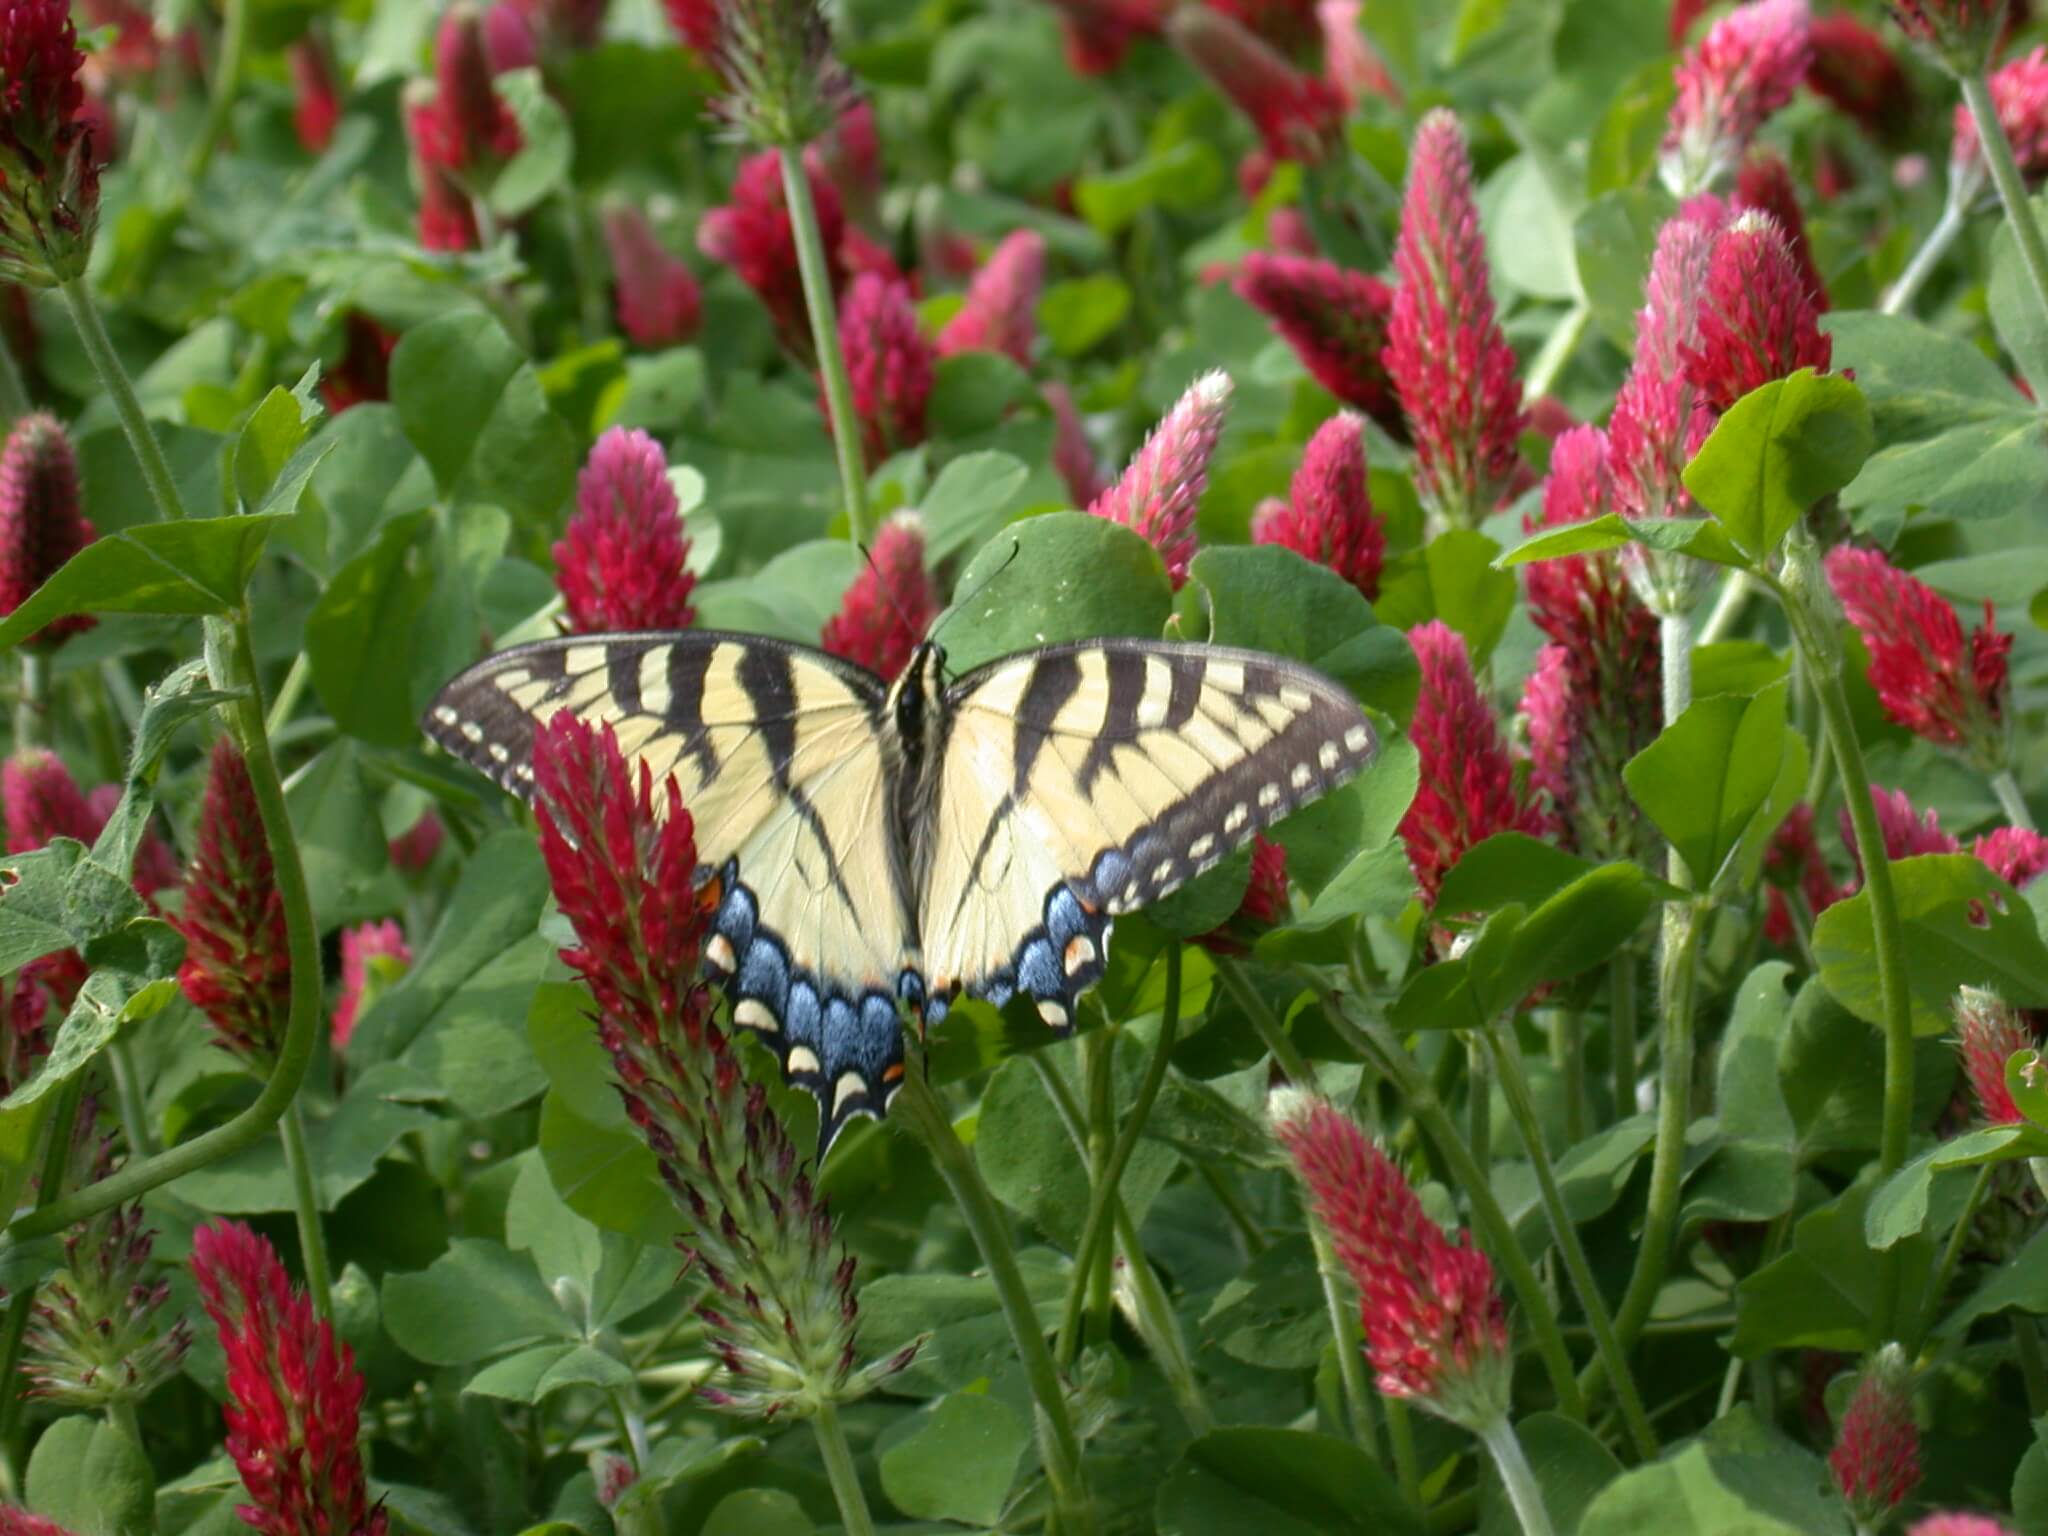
(1016,549)
(889,597)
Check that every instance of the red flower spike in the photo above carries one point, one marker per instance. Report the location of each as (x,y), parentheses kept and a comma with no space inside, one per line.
(237,969)
(373,955)
(891,603)
(1451,366)
(752,235)
(622,563)
(1336,322)
(447,220)
(1349,58)
(41,521)
(1157,493)
(1757,321)
(1961,34)
(1299,116)
(1744,69)
(479,129)
(654,294)
(889,361)
(1073,455)
(19,1522)
(49,164)
(1099,33)
(1468,780)
(1549,718)
(2017,855)
(1876,1459)
(363,374)
(509,41)
(43,802)
(1907,834)
(1001,310)
(294,1394)
(1988,1031)
(1765,184)
(1955,694)
(1947,1523)
(1435,1329)
(696,23)
(2019,90)
(1328,517)
(1794,861)
(1658,421)
(413,849)
(1678,24)
(1264,904)
(316,106)
(1854,69)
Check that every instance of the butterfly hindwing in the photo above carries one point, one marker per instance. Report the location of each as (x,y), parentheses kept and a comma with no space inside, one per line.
(778,754)
(1084,781)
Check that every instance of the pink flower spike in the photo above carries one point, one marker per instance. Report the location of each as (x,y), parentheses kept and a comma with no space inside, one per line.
(1299,116)
(1657,422)
(1001,311)
(2017,855)
(49,162)
(1328,518)
(1451,366)
(317,100)
(1765,184)
(1550,717)
(1757,321)
(696,23)
(654,292)
(1468,780)
(1349,58)
(1876,1459)
(19,1522)
(509,40)
(294,1395)
(1907,834)
(43,801)
(373,955)
(1855,71)
(1158,491)
(1744,69)
(478,124)
(447,219)
(42,521)
(1927,679)
(413,849)
(1336,322)
(753,236)
(891,603)
(890,362)
(2019,91)
(1435,1329)
(1956,1523)
(622,563)
(1073,455)
(1988,1031)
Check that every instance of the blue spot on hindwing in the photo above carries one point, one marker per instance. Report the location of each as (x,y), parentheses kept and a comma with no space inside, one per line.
(1038,970)
(1064,917)
(804,1019)
(764,974)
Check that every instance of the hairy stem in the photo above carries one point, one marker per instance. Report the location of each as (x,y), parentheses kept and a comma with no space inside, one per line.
(2011,801)
(1621,1030)
(128,1096)
(1557,350)
(306,1206)
(810,259)
(32,708)
(1955,217)
(2012,191)
(149,456)
(14,400)
(1524,1495)
(840,1470)
(1951,1256)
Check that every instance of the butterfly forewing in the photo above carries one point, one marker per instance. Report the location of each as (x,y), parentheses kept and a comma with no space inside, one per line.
(1084,781)
(778,754)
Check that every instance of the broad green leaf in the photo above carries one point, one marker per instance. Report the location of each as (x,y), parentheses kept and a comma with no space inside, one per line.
(1824,1293)
(969,1342)
(272,434)
(1572,1465)
(1273,1314)
(973,391)
(1900,1206)
(344,1148)
(956,1460)
(341,841)
(546,145)
(1777,451)
(1454,577)
(1624,144)
(1963,926)
(1181,178)
(968,501)
(1707,773)
(606,1174)
(1064,576)
(1739,1476)
(1752,1174)
(198,566)
(477,1300)
(1700,537)
(531,1374)
(1919,381)
(1615,235)
(1288,1482)
(92,1479)
(1508,867)
(1078,313)
(2020,1284)
(32,917)
(362,635)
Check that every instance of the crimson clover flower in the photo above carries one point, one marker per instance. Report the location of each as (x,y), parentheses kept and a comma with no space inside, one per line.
(752,235)
(1264,903)
(1595,699)
(373,955)
(95,1336)
(1468,791)
(654,293)
(1953,693)
(2017,855)
(1907,834)
(622,858)
(2019,94)
(1073,455)
(1328,517)
(1336,322)
(1757,319)
(622,563)
(1765,184)
(42,522)
(1451,366)
(1352,63)
(1744,69)
(364,372)
(446,220)
(1000,313)
(413,849)
(1988,1031)
(43,802)
(1158,491)
(294,1394)
(1854,69)
(1793,861)
(49,164)
(1297,115)
(891,603)
(19,1522)
(696,23)
(1956,1523)
(889,362)
(237,968)
(316,99)
(1876,1459)
(1098,33)
(478,132)
(1960,35)
(784,85)
(1435,1329)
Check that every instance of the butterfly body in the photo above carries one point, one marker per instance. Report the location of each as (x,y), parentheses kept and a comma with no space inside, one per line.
(881,845)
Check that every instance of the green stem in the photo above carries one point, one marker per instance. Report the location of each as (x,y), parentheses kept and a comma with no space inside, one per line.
(2011,801)
(289,692)
(1955,216)
(2026,1341)
(121,1414)
(1105,1188)
(32,708)
(306,1204)
(1568,1032)
(128,1095)
(1478,1102)
(1523,1493)
(810,259)
(92,333)
(302,1022)
(1100,1052)
(1350,1345)
(1951,1256)
(227,80)
(1270,1030)
(1377,1044)
(1557,350)
(1059,1448)
(1522,1107)
(14,400)
(1621,1030)
(2012,191)
(1736,588)
(56,1154)
(840,1470)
